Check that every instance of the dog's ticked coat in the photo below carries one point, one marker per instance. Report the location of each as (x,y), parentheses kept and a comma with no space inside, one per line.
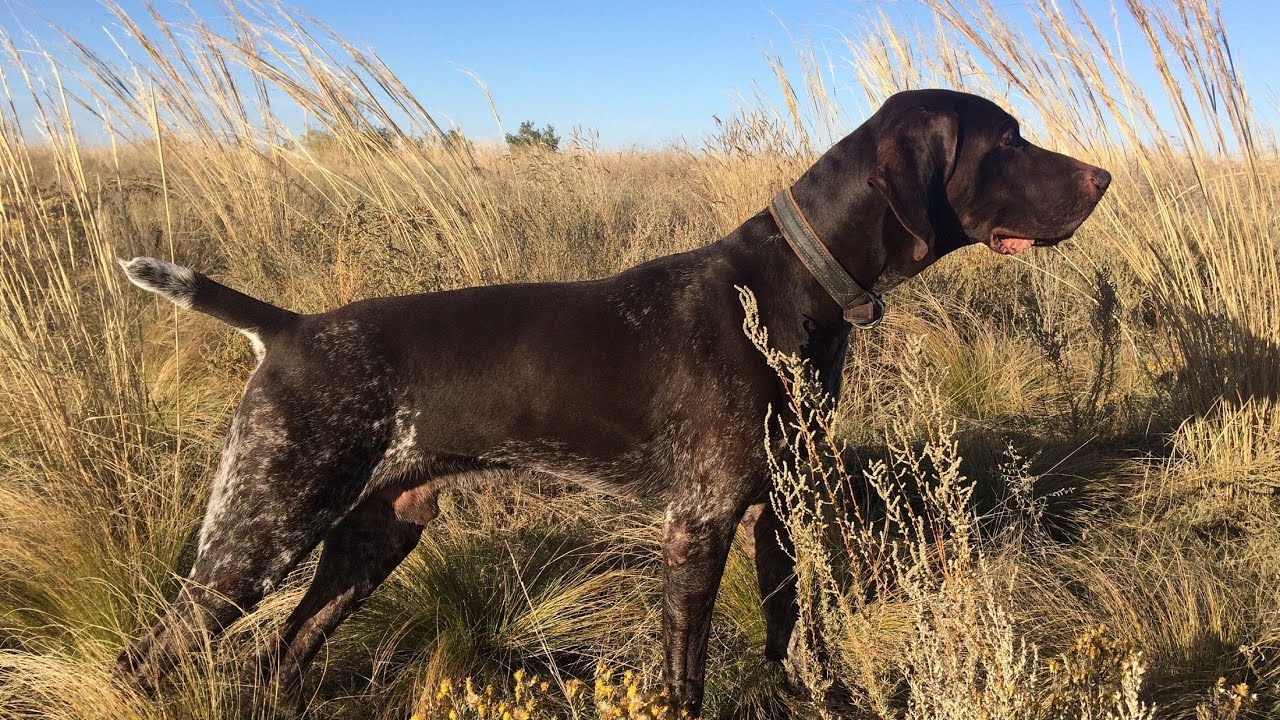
(641,383)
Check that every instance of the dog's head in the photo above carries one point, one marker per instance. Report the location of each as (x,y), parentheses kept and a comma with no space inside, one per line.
(954,169)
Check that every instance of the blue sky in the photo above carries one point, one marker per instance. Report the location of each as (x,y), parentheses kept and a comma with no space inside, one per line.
(637,73)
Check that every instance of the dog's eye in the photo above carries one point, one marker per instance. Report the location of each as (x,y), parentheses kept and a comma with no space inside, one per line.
(1011,138)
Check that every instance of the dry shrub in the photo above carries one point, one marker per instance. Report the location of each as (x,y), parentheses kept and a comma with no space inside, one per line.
(911,611)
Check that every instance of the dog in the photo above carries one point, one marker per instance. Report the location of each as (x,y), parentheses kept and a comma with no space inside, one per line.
(639,384)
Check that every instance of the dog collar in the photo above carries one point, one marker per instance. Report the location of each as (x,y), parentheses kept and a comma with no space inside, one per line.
(848,293)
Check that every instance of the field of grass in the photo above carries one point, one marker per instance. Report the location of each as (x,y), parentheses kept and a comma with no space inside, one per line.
(1051,488)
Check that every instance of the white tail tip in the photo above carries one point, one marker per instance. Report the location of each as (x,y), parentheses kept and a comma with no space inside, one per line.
(174,282)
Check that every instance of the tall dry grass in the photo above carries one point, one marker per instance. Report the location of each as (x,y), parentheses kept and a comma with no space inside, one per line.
(1055,476)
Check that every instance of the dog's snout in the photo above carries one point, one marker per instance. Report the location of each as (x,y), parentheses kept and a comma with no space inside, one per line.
(1096,182)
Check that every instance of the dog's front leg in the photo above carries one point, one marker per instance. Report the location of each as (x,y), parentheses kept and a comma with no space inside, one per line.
(776,573)
(696,538)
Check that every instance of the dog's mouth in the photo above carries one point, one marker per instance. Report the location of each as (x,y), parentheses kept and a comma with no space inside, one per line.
(1008,242)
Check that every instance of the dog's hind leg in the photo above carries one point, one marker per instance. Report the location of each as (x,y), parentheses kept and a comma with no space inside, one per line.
(225,582)
(358,555)
(272,502)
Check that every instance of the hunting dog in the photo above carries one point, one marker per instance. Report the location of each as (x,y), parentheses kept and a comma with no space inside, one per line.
(642,383)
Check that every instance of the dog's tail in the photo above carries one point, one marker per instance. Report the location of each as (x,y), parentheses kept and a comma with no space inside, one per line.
(190,289)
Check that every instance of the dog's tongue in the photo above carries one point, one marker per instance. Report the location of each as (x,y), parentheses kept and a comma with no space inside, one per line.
(1011,245)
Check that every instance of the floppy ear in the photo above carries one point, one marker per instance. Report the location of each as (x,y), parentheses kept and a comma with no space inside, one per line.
(915,152)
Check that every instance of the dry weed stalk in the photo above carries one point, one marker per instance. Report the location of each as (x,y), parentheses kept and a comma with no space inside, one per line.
(957,651)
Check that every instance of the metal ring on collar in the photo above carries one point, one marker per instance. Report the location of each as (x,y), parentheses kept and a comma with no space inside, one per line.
(877,314)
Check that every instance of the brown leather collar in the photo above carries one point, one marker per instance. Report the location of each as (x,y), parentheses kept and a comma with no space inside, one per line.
(862,308)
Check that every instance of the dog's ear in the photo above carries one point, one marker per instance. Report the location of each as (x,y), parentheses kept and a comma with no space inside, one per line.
(915,152)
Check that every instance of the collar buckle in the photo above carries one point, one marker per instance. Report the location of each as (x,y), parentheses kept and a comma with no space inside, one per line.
(877,313)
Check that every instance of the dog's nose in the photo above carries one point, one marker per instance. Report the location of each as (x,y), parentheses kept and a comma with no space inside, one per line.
(1096,182)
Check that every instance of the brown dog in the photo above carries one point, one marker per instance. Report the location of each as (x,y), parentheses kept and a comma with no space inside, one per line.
(641,383)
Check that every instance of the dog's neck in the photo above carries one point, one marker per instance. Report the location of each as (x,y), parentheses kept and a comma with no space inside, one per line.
(853,219)
(790,294)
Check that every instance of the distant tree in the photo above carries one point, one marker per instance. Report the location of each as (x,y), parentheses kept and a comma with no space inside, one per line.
(455,140)
(528,136)
(380,138)
(320,142)
(329,142)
